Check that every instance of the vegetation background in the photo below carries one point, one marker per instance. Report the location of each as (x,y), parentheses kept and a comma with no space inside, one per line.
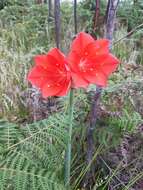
(33,130)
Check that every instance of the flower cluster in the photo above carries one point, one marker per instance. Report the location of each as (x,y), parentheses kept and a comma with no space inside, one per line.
(89,62)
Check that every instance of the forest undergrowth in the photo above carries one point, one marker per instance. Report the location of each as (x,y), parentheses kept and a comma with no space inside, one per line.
(33,133)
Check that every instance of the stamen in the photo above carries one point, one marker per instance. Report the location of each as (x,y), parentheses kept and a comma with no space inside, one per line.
(82,64)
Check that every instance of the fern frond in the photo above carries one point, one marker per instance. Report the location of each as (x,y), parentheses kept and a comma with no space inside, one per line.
(32,154)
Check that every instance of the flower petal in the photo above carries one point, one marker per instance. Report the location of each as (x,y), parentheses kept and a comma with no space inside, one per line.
(50,90)
(65,89)
(41,60)
(38,76)
(109,64)
(79,81)
(97,48)
(73,60)
(80,42)
(102,46)
(96,77)
(57,54)
(55,59)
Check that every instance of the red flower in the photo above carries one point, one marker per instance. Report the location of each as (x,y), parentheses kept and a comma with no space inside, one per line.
(51,74)
(90,61)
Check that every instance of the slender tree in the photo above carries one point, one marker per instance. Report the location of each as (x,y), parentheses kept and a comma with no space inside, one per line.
(96,15)
(109,29)
(57,22)
(38,1)
(49,9)
(110,18)
(75,16)
(135,2)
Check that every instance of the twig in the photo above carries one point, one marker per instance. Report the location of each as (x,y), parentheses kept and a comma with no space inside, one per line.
(111,171)
(128,34)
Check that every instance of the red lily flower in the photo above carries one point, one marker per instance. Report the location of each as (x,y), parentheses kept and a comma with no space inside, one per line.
(90,61)
(51,74)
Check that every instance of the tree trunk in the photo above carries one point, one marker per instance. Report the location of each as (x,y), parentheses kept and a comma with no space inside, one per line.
(57,22)
(96,15)
(38,1)
(135,2)
(110,20)
(75,17)
(111,14)
(49,9)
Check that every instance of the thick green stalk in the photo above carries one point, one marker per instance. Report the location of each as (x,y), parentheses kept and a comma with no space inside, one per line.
(68,151)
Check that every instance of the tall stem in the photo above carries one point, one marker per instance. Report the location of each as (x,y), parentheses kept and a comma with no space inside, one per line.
(68,151)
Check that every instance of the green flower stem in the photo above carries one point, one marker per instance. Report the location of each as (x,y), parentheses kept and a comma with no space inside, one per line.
(68,151)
